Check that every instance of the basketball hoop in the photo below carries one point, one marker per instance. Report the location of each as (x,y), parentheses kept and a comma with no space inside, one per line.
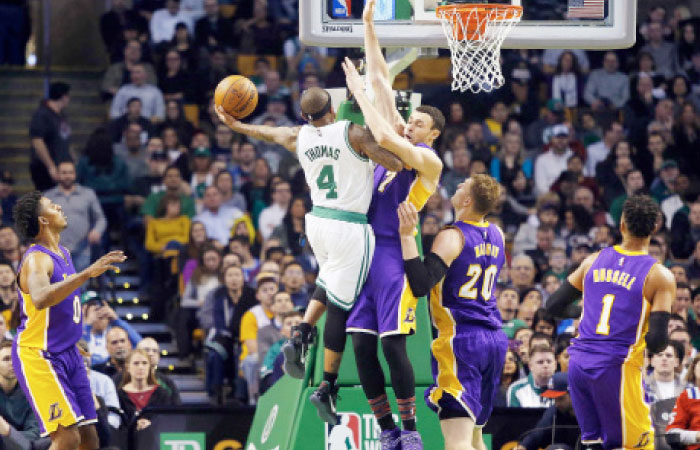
(475,33)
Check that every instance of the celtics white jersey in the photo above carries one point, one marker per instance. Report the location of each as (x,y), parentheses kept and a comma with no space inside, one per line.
(339,177)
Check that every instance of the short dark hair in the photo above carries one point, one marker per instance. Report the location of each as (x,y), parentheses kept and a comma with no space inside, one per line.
(683,285)
(58,90)
(26,215)
(640,213)
(132,100)
(243,240)
(7,262)
(171,167)
(435,114)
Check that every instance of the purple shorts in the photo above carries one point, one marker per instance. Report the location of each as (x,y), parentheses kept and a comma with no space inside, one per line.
(386,304)
(56,385)
(609,404)
(467,371)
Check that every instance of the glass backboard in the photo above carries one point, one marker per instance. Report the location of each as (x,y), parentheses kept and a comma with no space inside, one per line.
(587,24)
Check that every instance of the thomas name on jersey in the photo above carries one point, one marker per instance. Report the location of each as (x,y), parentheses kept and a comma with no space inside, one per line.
(486,250)
(322,151)
(613,276)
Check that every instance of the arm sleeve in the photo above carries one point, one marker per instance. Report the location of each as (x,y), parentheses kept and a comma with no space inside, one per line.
(560,303)
(423,275)
(249,327)
(16,440)
(681,416)
(657,337)
(152,244)
(513,401)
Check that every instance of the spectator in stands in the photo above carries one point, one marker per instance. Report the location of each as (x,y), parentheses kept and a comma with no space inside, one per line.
(10,249)
(221,315)
(119,347)
(241,245)
(170,225)
(164,20)
(686,414)
(540,254)
(50,137)
(230,197)
(174,80)
(522,272)
(272,216)
(567,82)
(607,87)
(461,159)
(140,389)
(493,125)
(99,318)
(681,304)
(113,23)
(132,150)
(686,135)
(208,77)
(270,334)
(217,219)
(118,126)
(521,342)
(103,388)
(273,87)
(172,181)
(183,43)
(254,320)
(694,265)
(509,375)
(271,368)
(561,351)
(204,279)
(256,189)
(291,230)
(634,182)
(213,29)
(202,176)
(664,53)
(175,118)
(682,336)
(685,231)
(544,323)
(507,302)
(8,198)
(151,97)
(558,426)
(8,293)
(526,313)
(664,382)
(527,393)
(81,206)
(118,74)
(639,110)
(152,349)
(599,151)
(259,35)
(19,428)
(295,284)
(510,160)
(549,165)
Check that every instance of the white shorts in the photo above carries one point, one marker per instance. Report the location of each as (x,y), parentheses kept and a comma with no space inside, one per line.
(344,253)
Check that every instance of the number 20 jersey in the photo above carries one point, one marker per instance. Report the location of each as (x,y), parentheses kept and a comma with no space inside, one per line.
(338,176)
(615,313)
(466,296)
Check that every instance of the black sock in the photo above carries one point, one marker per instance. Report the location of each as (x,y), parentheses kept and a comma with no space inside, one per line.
(330,378)
(387,423)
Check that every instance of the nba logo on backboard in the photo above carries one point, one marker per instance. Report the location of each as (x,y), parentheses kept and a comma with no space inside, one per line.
(346,435)
(341,8)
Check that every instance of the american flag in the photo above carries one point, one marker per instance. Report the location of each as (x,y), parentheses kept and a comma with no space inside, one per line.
(587,9)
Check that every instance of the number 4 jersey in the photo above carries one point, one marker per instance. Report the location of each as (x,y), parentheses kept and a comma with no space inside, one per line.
(465,298)
(615,312)
(57,327)
(339,177)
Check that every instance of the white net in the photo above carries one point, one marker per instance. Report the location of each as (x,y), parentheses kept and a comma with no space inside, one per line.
(475,35)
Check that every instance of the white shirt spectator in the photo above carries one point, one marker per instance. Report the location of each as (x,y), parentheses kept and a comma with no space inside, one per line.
(270,218)
(595,153)
(163,24)
(219,223)
(103,386)
(548,167)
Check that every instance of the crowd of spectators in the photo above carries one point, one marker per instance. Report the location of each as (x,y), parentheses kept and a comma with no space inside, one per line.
(216,220)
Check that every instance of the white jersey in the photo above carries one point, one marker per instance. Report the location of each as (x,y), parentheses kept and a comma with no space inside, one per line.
(338,176)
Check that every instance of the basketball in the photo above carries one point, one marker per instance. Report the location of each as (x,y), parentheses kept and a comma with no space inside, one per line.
(237,95)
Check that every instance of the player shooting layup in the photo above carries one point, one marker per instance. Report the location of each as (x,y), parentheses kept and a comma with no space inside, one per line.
(336,161)
(49,366)
(625,294)
(460,272)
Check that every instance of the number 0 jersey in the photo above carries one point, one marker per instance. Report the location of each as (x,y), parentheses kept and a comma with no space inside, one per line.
(339,177)
(465,297)
(615,313)
(57,327)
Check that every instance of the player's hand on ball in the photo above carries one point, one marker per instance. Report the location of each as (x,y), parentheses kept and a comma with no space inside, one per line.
(106,262)
(226,118)
(368,13)
(352,77)
(408,219)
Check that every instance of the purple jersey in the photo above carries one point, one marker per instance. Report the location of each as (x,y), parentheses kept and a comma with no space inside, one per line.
(615,312)
(57,327)
(390,189)
(467,289)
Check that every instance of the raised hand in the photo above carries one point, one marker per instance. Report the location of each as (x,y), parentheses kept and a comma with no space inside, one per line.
(106,263)
(368,13)
(226,118)
(408,219)
(352,78)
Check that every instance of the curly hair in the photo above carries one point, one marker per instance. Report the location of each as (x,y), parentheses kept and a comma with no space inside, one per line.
(640,213)
(485,192)
(26,215)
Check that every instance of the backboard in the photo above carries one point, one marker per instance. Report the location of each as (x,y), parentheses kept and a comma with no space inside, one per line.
(568,24)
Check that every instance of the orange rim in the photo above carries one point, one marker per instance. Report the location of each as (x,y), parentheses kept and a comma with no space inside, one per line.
(477,16)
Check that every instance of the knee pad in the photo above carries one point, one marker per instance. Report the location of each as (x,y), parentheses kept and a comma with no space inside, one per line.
(334,333)
(320,295)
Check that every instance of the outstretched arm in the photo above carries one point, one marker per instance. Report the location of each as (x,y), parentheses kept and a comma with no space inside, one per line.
(361,139)
(426,162)
(378,71)
(284,136)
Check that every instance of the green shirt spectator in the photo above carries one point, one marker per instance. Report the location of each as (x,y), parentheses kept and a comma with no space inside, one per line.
(172,180)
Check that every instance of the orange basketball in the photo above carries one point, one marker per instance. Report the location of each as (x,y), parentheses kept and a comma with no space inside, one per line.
(237,95)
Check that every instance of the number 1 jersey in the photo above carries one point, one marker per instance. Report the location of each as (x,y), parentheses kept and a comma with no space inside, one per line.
(615,313)
(339,177)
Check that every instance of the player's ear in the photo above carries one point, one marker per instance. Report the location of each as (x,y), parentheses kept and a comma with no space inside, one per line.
(434,134)
(43,220)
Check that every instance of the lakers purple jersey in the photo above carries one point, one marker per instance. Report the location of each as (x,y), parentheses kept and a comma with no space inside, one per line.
(57,327)
(390,189)
(615,312)
(465,297)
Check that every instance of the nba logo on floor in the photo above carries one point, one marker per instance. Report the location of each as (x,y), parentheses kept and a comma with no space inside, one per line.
(347,432)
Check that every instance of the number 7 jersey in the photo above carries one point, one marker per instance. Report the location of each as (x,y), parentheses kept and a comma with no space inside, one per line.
(615,313)
(339,177)
(465,298)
